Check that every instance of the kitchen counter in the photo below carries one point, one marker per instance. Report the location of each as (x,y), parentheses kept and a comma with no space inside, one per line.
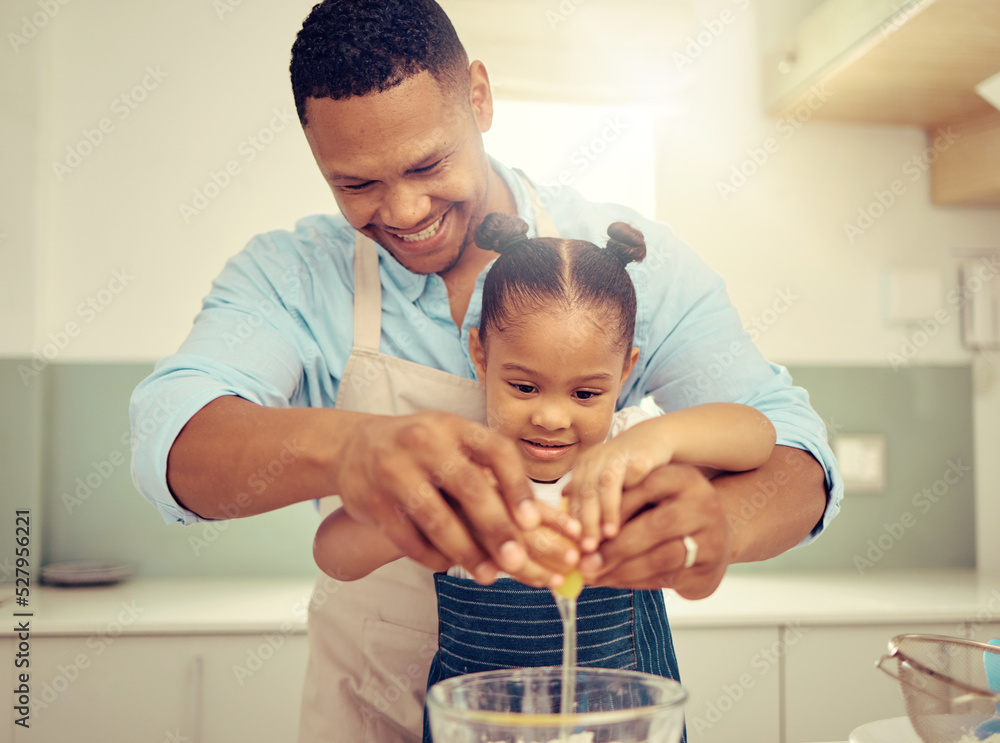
(839,598)
(227,606)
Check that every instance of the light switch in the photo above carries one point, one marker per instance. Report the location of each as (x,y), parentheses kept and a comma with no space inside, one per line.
(861,458)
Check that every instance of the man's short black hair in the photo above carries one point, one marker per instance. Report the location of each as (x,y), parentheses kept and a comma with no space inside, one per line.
(354,47)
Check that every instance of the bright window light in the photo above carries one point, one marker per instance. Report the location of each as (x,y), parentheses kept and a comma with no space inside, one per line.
(606,153)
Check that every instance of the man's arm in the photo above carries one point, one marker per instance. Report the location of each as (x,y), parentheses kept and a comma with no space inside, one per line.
(235,458)
(773,508)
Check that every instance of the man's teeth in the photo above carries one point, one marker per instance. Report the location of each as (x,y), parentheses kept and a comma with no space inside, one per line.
(423,234)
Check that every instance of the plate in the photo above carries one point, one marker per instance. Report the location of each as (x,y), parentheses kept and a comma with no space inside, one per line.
(896,730)
(84,573)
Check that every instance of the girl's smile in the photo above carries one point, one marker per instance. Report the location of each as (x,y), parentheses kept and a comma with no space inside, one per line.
(546,451)
(552,384)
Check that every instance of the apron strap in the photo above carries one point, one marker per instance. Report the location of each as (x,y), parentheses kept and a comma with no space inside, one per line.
(367,295)
(544,226)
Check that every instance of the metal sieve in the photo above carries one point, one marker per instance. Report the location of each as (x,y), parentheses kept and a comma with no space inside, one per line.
(944,685)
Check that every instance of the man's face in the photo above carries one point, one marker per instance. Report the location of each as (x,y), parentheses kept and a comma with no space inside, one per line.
(407,167)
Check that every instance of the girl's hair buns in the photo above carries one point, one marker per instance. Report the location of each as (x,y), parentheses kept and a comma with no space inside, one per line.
(499,232)
(626,242)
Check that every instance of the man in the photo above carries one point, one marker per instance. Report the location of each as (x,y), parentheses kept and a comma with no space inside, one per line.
(359,356)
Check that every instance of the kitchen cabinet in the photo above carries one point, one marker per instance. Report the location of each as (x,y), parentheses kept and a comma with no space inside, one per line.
(131,689)
(775,658)
(916,62)
(7,676)
(253,687)
(163,689)
(737,694)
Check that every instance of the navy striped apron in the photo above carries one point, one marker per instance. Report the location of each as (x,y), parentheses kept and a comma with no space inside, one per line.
(511,625)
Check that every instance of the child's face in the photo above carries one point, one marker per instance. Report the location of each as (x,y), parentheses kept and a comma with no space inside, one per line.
(551,386)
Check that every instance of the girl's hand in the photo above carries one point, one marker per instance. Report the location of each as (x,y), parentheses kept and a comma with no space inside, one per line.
(603,473)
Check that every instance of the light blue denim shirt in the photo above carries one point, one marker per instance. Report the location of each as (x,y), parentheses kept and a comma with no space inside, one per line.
(277,328)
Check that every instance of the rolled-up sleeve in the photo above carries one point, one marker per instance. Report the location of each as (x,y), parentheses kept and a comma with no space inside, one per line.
(695,350)
(244,342)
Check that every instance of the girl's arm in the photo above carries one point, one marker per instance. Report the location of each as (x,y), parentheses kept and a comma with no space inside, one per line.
(721,435)
(714,436)
(346,549)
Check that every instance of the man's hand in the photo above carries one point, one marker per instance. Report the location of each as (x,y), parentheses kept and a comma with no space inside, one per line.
(406,473)
(674,501)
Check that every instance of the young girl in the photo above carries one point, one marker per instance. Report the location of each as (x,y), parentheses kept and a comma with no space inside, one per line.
(553,349)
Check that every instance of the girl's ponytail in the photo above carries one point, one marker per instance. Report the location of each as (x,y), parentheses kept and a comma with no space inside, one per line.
(626,243)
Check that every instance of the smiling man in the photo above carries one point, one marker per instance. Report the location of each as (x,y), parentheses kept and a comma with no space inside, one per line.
(358,363)
(424,190)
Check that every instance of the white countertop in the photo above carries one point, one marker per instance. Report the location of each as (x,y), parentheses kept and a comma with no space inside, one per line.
(213,606)
(818,598)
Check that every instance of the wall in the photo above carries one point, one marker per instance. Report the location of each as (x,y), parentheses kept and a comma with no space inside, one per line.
(123,121)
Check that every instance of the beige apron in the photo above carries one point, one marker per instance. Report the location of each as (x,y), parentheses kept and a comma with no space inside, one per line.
(371,641)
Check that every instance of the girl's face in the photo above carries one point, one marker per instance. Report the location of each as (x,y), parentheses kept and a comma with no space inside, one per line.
(551,386)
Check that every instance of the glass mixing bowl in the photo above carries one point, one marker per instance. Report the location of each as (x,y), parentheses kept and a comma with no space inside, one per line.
(522,706)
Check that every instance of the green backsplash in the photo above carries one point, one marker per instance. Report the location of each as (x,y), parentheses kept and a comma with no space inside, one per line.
(64,454)
(920,520)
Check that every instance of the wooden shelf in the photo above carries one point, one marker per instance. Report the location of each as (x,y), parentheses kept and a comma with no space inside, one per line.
(915,63)
(968,171)
(917,66)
